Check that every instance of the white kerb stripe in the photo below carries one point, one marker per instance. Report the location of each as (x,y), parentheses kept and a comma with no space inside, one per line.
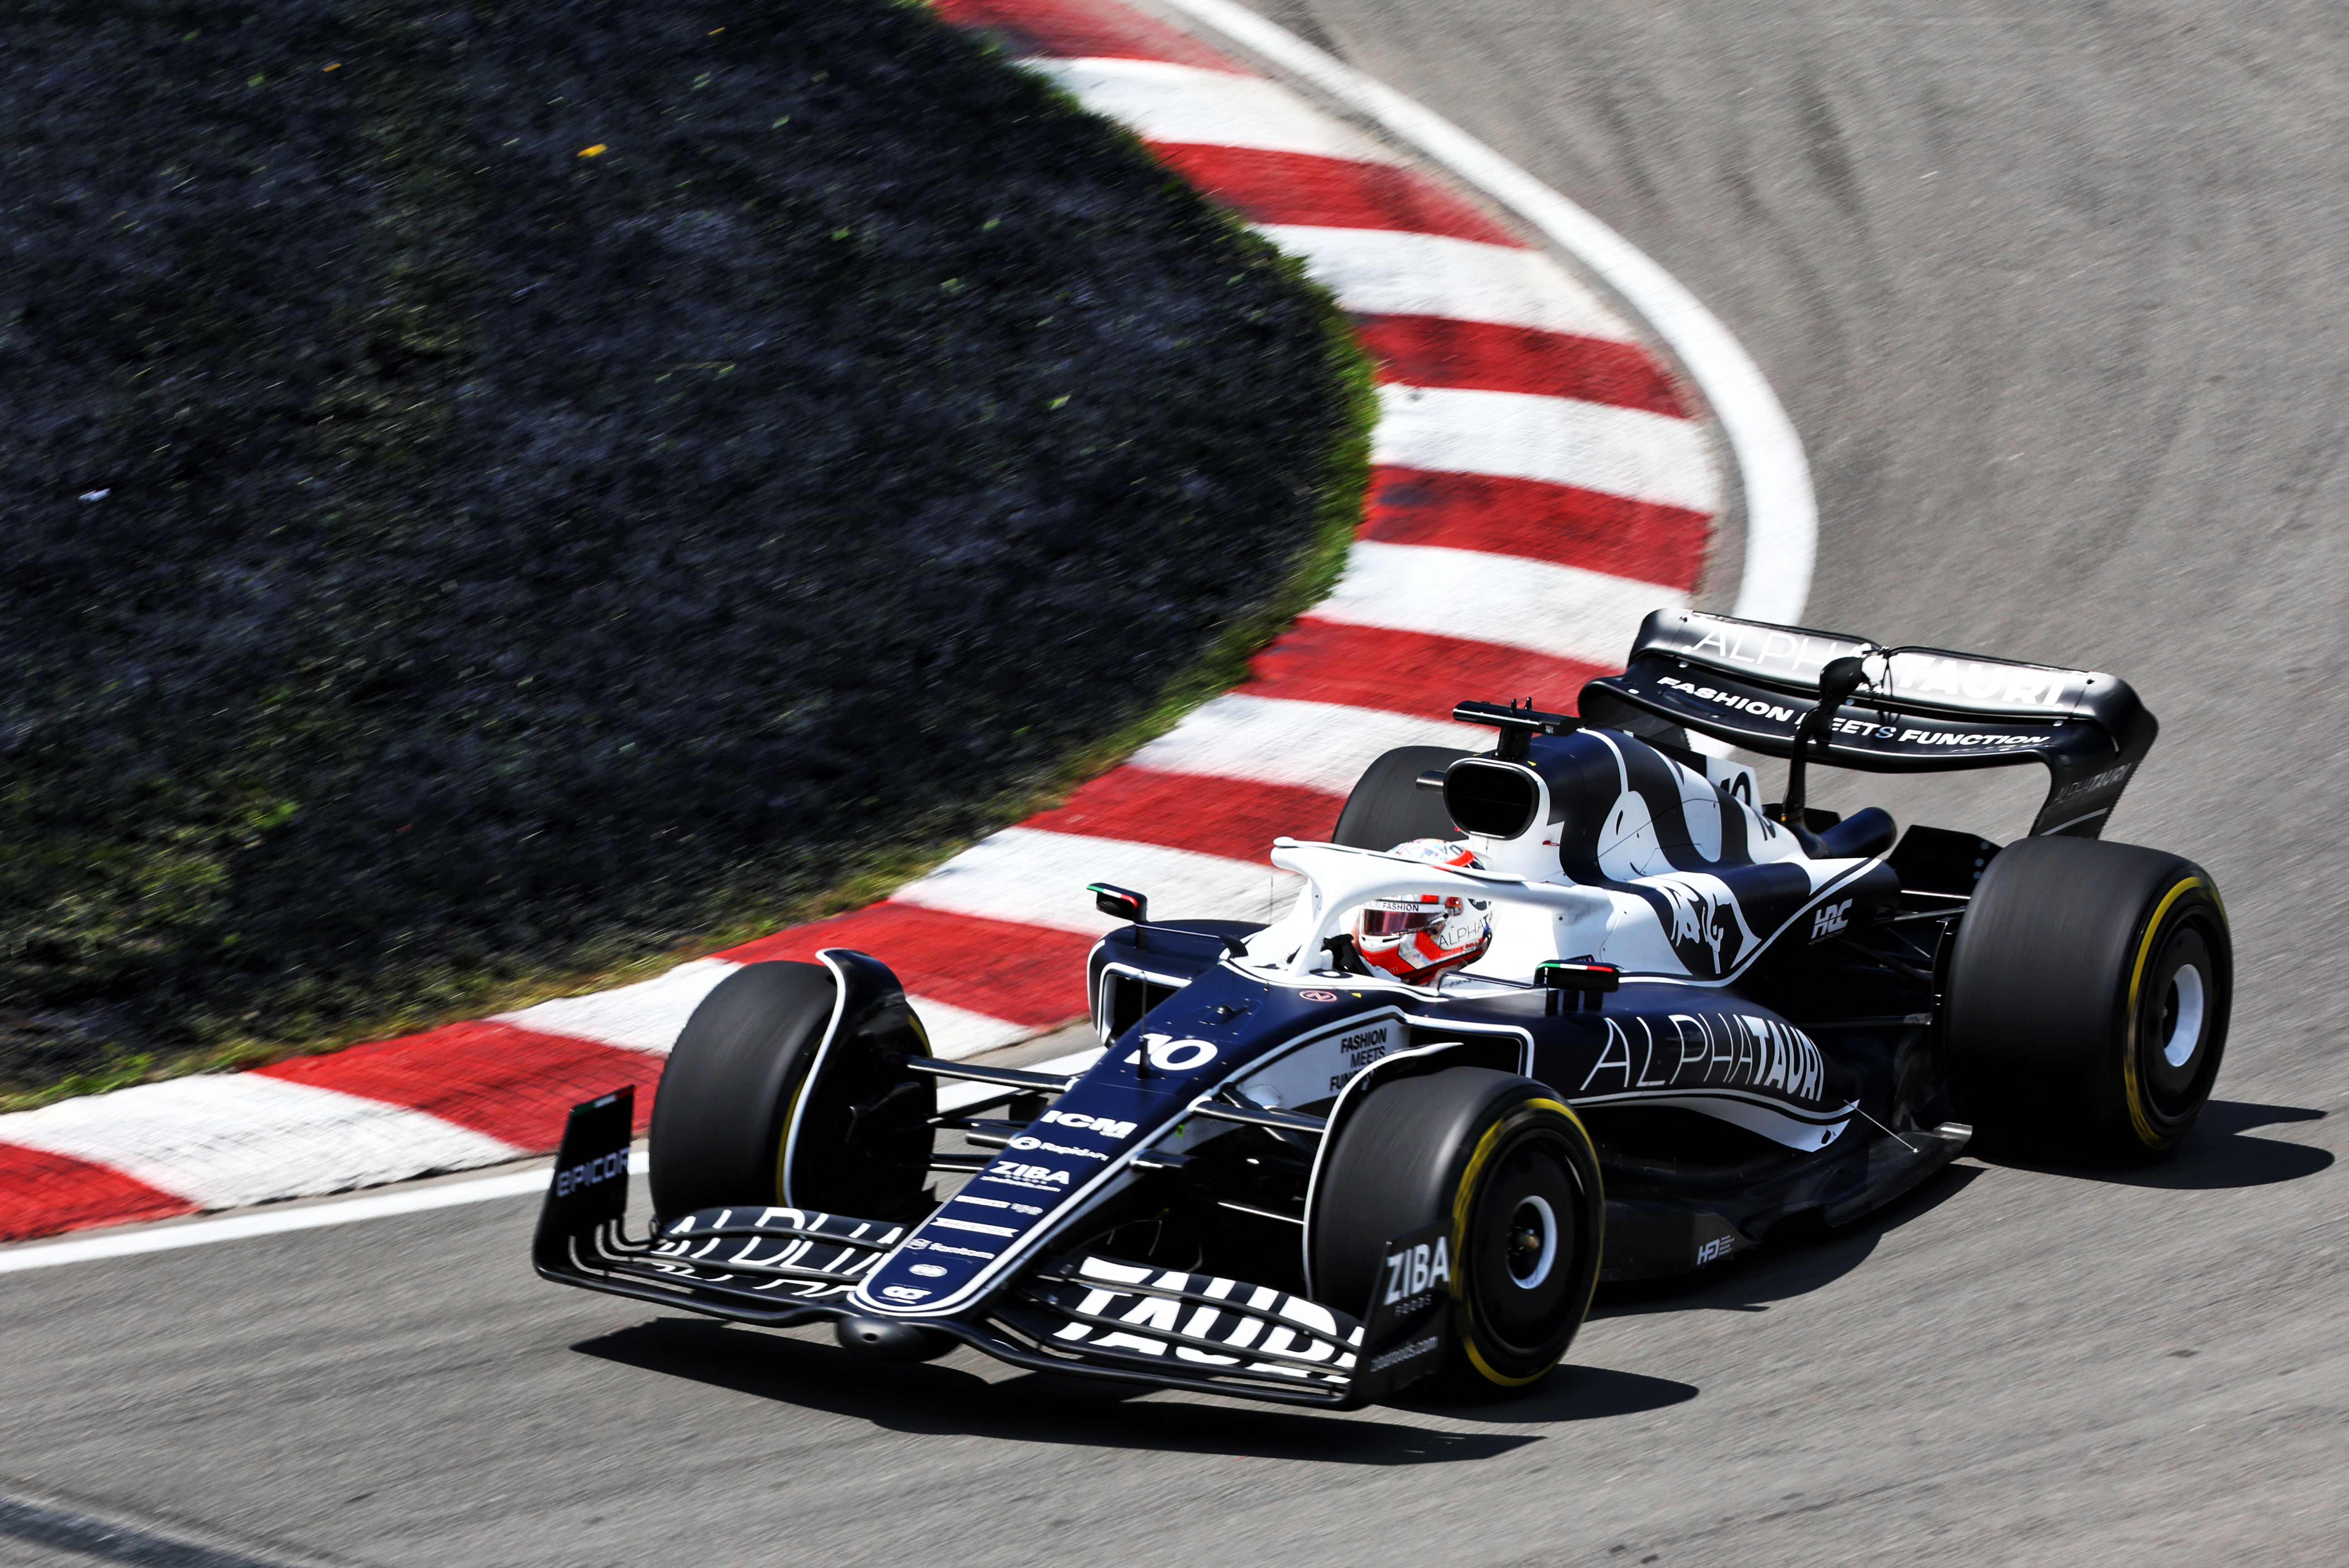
(1561,610)
(646,1016)
(954,1096)
(957,1032)
(222,1140)
(1159,102)
(1311,745)
(1038,878)
(1390,272)
(1782,516)
(1557,441)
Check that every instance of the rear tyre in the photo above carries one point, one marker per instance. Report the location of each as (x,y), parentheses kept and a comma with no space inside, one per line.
(1388,807)
(1509,1167)
(764,1101)
(2085,1011)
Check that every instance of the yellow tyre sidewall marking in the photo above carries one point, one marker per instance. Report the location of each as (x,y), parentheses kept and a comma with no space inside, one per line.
(2132,1086)
(1461,1200)
(784,1144)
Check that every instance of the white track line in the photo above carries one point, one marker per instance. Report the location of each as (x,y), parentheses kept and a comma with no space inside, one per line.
(1559,610)
(1313,745)
(1557,441)
(228,1139)
(1391,272)
(171,1237)
(1782,520)
(1159,102)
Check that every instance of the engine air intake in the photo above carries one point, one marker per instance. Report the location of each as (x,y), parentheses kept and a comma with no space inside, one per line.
(1494,800)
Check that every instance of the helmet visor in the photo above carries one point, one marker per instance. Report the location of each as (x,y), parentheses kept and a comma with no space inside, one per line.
(1375,921)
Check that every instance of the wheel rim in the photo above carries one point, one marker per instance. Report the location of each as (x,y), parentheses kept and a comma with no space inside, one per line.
(1533,1241)
(2182,1016)
(2180,1012)
(1523,1232)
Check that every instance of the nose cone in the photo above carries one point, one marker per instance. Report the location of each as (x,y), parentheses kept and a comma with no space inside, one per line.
(885,1339)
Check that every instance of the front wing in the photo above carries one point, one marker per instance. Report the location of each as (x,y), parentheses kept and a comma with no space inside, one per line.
(1067,1312)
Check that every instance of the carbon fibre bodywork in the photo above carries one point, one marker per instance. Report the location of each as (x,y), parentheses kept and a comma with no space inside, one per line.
(1741,1007)
(1768,1056)
(1151,1218)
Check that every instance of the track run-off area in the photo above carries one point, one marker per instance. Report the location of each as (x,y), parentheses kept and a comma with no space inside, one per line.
(2050,294)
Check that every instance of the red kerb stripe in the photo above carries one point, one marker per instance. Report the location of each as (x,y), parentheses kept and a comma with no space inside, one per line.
(1481,356)
(1409,671)
(1029,975)
(52,1192)
(1079,29)
(1266,187)
(1587,528)
(1181,811)
(513,1084)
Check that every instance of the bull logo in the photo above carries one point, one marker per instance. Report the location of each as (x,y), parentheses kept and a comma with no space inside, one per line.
(1701,920)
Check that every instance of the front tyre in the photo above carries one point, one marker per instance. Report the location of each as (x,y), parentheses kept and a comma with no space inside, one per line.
(786,1087)
(2088,993)
(1505,1164)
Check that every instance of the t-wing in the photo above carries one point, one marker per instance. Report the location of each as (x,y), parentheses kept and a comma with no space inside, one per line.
(1922,710)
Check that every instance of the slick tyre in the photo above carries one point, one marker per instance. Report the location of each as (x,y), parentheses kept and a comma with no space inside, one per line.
(1388,807)
(1508,1167)
(2086,1006)
(786,1087)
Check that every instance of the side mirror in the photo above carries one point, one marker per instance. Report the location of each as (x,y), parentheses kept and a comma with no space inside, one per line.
(1119,903)
(1587,982)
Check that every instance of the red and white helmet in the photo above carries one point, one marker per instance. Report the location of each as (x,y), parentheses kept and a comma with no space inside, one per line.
(1419,936)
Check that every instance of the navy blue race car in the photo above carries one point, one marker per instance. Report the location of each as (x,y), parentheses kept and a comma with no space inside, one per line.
(1577,1008)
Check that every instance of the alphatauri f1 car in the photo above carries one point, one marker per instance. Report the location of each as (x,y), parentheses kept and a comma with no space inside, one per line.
(1694,1022)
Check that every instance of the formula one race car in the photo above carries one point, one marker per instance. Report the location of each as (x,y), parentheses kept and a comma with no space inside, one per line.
(1616,1022)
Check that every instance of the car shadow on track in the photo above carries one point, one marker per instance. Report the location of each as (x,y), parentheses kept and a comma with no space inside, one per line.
(1789,1266)
(2217,1154)
(1571,1393)
(945,1400)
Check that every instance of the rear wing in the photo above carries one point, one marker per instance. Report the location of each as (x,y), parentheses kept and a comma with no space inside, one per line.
(1925,709)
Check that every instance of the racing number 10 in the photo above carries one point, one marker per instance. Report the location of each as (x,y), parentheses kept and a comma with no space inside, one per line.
(1169,1054)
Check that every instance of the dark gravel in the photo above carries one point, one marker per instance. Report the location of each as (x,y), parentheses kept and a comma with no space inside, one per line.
(436,554)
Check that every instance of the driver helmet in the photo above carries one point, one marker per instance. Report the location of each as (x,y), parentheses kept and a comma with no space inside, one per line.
(1416,936)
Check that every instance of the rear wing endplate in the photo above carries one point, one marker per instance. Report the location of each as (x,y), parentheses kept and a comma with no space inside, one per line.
(1925,709)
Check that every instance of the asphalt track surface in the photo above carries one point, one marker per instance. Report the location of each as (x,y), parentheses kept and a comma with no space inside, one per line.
(2052,293)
